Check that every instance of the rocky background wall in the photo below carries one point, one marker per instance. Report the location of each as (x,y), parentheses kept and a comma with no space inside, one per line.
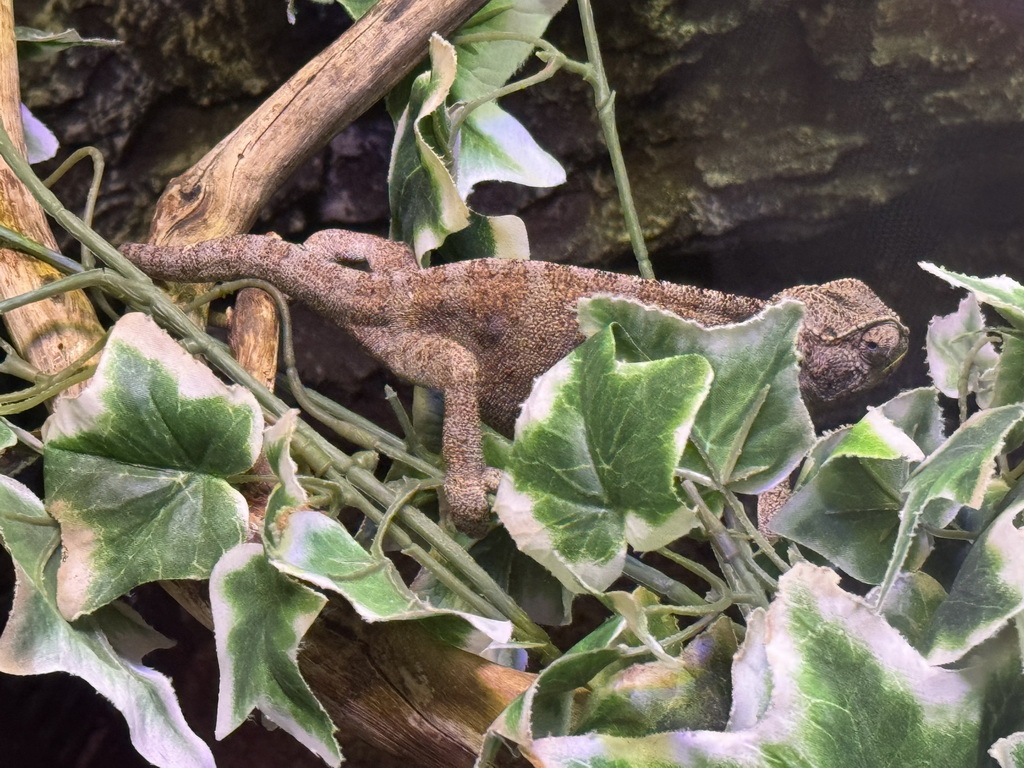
(770,142)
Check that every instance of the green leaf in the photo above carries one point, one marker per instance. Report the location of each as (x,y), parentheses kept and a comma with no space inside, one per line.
(425,205)
(1005,380)
(549,705)
(950,338)
(135,468)
(592,466)
(37,43)
(1002,293)
(847,507)
(315,548)
(988,590)
(843,689)
(753,428)
(494,145)
(692,691)
(957,474)
(911,605)
(104,649)
(7,436)
(355,8)
(260,616)
(1009,751)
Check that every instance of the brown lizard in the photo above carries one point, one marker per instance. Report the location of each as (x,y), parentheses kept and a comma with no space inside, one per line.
(481,330)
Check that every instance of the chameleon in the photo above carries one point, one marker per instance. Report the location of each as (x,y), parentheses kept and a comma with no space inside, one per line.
(481,330)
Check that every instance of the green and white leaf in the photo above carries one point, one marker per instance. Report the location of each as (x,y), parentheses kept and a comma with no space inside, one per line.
(911,605)
(135,468)
(260,616)
(843,688)
(592,465)
(7,436)
(689,692)
(958,474)
(988,590)
(1003,384)
(1009,751)
(315,548)
(1002,293)
(104,649)
(548,706)
(493,145)
(753,427)
(950,338)
(37,43)
(426,204)
(847,507)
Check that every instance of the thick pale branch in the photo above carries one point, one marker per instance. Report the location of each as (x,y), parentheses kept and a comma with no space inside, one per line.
(50,334)
(223,192)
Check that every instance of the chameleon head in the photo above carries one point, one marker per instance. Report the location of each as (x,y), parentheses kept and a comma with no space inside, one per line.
(850,341)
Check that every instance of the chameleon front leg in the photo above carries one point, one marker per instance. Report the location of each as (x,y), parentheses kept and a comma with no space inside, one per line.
(433,361)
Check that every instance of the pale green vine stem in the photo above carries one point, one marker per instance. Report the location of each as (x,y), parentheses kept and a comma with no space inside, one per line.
(658,582)
(606,114)
(695,568)
(315,450)
(735,565)
(751,530)
(98,165)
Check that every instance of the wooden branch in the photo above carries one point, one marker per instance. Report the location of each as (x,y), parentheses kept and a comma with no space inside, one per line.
(392,685)
(50,334)
(222,193)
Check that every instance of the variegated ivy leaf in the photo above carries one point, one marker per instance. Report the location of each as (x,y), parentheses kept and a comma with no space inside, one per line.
(1002,293)
(843,688)
(426,205)
(315,548)
(104,649)
(7,436)
(753,427)
(958,474)
(550,704)
(911,605)
(596,447)
(988,590)
(692,691)
(1003,384)
(260,616)
(494,145)
(135,468)
(491,145)
(1009,751)
(847,507)
(36,43)
(950,338)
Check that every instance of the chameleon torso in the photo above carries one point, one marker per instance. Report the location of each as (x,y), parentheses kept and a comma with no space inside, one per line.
(480,331)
